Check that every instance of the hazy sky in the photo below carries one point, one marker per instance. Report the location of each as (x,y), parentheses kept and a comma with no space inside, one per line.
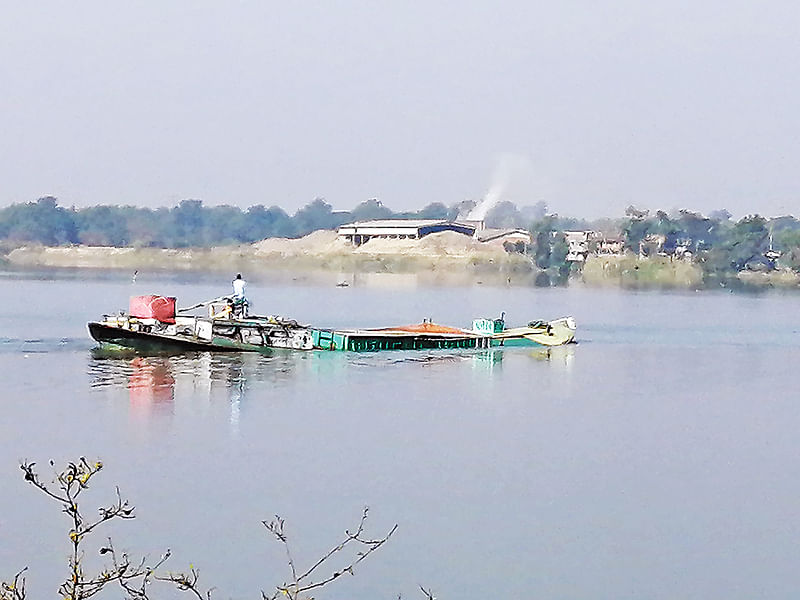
(595,105)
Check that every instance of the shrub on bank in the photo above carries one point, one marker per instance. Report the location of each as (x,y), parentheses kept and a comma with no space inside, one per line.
(630,271)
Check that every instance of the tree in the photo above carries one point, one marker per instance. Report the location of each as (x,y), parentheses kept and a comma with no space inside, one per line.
(188,225)
(102,226)
(786,239)
(370,210)
(224,225)
(720,215)
(434,210)
(668,228)
(700,230)
(268,222)
(558,256)
(461,210)
(43,222)
(748,241)
(303,581)
(505,215)
(134,577)
(314,216)
(536,212)
(542,234)
(634,213)
(634,230)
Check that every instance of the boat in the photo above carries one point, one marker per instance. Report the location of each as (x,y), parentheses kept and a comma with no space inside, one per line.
(153,323)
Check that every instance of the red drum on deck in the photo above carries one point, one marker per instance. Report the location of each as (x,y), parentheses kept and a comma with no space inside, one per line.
(161,308)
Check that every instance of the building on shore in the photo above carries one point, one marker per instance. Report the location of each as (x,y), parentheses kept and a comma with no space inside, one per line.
(578,245)
(652,245)
(583,243)
(361,232)
(414,229)
(610,246)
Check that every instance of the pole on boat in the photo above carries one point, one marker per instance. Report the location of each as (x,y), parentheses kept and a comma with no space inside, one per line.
(202,304)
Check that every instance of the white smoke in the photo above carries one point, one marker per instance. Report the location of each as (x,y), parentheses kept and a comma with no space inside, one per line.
(507,165)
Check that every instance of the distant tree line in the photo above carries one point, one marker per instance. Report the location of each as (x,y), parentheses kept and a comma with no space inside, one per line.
(719,245)
(191,224)
(715,242)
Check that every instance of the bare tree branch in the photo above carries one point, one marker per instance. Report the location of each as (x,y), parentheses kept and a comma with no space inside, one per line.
(15,589)
(299,584)
(133,577)
(428,593)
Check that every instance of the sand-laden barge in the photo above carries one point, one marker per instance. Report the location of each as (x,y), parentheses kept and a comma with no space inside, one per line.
(153,323)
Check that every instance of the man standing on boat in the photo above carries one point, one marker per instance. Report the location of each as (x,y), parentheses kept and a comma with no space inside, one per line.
(239,300)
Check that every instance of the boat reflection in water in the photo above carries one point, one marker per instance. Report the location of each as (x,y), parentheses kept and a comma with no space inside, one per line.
(169,384)
(488,361)
(559,356)
(204,382)
(150,383)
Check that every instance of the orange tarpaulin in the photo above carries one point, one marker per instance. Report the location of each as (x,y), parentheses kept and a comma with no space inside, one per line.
(424,328)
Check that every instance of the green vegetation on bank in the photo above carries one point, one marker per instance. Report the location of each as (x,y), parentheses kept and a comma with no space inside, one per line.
(189,224)
(630,272)
(713,247)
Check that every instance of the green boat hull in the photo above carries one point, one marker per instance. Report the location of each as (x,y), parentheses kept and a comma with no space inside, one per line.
(325,339)
(540,334)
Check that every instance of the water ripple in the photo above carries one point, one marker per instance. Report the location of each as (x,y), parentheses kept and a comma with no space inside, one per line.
(43,345)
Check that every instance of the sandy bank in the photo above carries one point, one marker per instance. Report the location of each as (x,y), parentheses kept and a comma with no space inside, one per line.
(321,250)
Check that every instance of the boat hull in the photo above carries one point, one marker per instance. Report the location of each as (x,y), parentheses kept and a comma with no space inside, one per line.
(551,333)
(432,336)
(150,342)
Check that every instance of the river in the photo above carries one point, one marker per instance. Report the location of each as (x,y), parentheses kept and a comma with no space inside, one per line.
(653,459)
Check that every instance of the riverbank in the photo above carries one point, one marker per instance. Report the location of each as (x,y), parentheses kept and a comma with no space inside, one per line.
(659,272)
(631,272)
(783,278)
(445,258)
(448,256)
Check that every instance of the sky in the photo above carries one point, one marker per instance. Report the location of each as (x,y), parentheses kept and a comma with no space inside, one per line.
(587,106)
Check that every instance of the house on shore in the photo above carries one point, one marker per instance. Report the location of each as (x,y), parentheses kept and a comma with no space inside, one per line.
(610,246)
(577,245)
(583,243)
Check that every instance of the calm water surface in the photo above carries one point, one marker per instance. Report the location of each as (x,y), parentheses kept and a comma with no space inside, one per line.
(655,459)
